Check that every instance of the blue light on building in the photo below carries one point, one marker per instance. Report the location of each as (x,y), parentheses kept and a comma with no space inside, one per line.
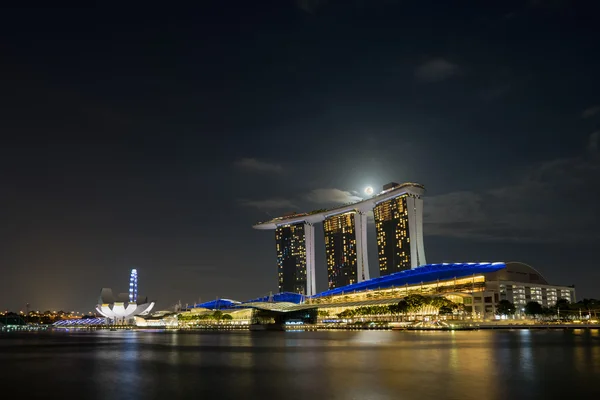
(422,274)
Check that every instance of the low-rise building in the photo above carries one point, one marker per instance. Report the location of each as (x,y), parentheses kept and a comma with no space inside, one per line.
(479,287)
(476,289)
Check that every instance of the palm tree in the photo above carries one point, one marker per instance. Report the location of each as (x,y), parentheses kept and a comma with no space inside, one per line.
(403,307)
(534,308)
(218,315)
(415,302)
(505,307)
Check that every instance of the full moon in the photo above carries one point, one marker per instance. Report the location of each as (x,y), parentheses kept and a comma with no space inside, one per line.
(368,190)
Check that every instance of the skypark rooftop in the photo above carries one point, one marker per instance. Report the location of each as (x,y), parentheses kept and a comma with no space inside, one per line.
(425,273)
(316,216)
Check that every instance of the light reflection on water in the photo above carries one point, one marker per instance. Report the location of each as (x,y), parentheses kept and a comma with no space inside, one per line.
(307,365)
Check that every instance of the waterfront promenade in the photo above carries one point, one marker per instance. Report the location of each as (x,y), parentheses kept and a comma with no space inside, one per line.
(366,325)
(334,365)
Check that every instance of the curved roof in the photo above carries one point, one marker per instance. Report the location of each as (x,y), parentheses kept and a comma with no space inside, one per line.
(287,297)
(364,205)
(276,306)
(424,273)
(221,304)
(518,272)
(218,304)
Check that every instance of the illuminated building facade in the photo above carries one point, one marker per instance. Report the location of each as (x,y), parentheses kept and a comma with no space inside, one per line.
(393,239)
(345,227)
(340,250)
(291,257)
(133,286)
(478,287)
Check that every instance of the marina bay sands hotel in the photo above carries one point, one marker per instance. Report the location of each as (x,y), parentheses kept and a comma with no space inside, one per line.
(398,212)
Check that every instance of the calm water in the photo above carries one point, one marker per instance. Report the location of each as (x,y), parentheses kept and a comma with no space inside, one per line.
(305,365)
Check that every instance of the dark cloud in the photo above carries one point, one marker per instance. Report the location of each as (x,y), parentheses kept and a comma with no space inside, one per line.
(254,165)
(592,147)
(590,111)
(310,6)
(326,197)
(555,201)
(269,204)
(331,196)
(495,92)
(436,70)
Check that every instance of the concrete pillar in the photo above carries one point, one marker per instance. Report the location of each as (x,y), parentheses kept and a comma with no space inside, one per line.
(415,230)
(419,234)
(309,238)
(362,255)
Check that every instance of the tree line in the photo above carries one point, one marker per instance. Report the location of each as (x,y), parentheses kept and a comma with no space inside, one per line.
(562,306)
(215,316)
(411,304)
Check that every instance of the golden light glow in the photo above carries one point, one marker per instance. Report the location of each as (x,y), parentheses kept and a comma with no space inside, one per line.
(462,285)
(340,249)
(393,243)
(291,258)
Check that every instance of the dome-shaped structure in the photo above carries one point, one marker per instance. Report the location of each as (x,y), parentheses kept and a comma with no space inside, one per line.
(517,272)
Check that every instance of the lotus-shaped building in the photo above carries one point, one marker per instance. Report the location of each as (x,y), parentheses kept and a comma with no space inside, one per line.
(125,306)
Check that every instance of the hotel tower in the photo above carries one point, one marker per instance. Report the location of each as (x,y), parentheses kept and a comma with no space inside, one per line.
(398,212)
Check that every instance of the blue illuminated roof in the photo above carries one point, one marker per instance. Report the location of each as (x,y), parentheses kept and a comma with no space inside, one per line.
(222,304)
(424,273)
(287,297)
(218,304)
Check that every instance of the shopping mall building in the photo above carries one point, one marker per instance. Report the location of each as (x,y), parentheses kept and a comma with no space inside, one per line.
(479,287)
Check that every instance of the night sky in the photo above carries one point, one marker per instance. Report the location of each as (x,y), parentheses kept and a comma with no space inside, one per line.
(154,138)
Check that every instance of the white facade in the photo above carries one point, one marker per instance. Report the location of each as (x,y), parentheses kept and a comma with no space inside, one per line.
(520,284)
(520,293)
(123,311)
(415,228)
(362,254)
(309,237)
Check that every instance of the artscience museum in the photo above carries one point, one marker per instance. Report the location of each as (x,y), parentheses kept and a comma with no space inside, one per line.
(123,307)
